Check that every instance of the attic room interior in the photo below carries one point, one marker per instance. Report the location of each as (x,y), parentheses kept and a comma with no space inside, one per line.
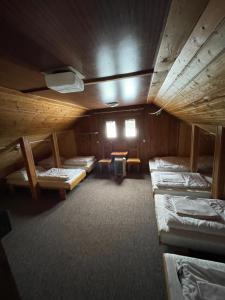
(112,149)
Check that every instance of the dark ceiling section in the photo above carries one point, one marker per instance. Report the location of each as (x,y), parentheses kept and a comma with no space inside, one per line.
(98,38)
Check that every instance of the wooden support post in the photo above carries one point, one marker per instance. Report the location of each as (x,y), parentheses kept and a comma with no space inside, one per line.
(55,150)
(194,148)
(218,185)
(57,160)
(30,166)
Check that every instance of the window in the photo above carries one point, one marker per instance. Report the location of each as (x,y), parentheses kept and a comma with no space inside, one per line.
(111,129)
(130,128)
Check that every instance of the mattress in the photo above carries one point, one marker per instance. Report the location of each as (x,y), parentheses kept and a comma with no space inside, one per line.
(181,183)
(75,176)
(48,163)
(88,167)
(201,235)
(205,268)
(79,160)
(180,164)
(170,163)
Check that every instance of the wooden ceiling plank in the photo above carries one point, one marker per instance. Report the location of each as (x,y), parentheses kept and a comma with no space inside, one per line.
(208,22)
(181,20)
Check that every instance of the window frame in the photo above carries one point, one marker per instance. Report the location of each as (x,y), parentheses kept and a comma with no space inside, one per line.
(135,128)
(116,133)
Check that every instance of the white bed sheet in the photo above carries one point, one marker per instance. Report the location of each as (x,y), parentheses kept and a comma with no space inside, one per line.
(22,180)
(171,263)
(79,160)
(195,234)
(180,183)
(88,167)
(170,163)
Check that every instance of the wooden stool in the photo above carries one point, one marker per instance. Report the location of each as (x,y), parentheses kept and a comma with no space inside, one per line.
(105,162)
(133,162)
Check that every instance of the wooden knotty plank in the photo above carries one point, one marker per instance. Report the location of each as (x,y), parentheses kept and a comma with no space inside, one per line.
(30,166)
(194,148)
(55,150)
(218,185)
(57,160)
(182,18)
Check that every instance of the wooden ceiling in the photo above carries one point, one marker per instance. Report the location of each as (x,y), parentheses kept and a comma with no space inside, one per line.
(99,38)
(189,77)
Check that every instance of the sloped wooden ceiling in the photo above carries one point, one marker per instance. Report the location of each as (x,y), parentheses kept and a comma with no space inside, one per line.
(189,77)
(99,38)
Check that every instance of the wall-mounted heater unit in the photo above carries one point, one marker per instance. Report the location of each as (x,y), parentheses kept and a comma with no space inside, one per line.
(120,167)
(64,80)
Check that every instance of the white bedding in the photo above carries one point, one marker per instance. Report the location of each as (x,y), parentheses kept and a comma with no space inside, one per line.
(168,219)
(180,164)
(171,163)
(58,174)
(49,162)
(190,278)
(79,160)
(180,180)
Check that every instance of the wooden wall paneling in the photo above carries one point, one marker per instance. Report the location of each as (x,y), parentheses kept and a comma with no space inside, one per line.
(194,87)
(67,143)
(218,185)
(194,148)
(57,160)
(182,17)
(30,166)
(29,115)
(157,135)
(55,150)
(184,143)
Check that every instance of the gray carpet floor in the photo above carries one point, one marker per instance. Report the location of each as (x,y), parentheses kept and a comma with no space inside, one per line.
(101,243)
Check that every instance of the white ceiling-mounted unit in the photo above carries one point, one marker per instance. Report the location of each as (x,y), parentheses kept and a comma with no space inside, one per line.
(64,80)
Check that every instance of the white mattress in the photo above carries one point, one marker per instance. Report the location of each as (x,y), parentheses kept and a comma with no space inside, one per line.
(22,179)
(191,233)
(170,163)
(180,183)
(180,164)
(171,263)
(79,160)
(88,167)
(48,163)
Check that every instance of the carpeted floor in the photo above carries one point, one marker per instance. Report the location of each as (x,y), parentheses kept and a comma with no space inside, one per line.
(101,243)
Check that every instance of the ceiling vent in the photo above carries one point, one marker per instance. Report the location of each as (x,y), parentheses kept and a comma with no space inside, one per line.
(64,80)
(112,104)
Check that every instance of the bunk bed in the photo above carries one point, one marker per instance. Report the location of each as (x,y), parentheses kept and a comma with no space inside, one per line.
(53,178)
(193,223)
(86,163)
(180,164)
(192,278)
(181,183)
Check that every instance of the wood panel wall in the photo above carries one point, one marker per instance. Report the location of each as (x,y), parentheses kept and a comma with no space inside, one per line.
(190,66)
(33,116)
(157,135)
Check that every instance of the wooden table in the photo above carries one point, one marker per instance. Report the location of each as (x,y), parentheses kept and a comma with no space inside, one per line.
(119,154)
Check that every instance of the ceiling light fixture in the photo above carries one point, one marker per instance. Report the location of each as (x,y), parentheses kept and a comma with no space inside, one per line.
(112,104)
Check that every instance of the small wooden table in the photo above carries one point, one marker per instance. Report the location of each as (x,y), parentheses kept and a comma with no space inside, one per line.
(119,154)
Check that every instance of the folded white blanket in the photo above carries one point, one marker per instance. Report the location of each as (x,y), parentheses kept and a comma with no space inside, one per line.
(173,163)
(79,160)
(179,180)
(199,209)
(201,283)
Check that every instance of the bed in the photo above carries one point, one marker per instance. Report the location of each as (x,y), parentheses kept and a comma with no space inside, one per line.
(82,162)
(53,178)
(192,278)
(86,163)
(202,229)
(180,164)
(181,183)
